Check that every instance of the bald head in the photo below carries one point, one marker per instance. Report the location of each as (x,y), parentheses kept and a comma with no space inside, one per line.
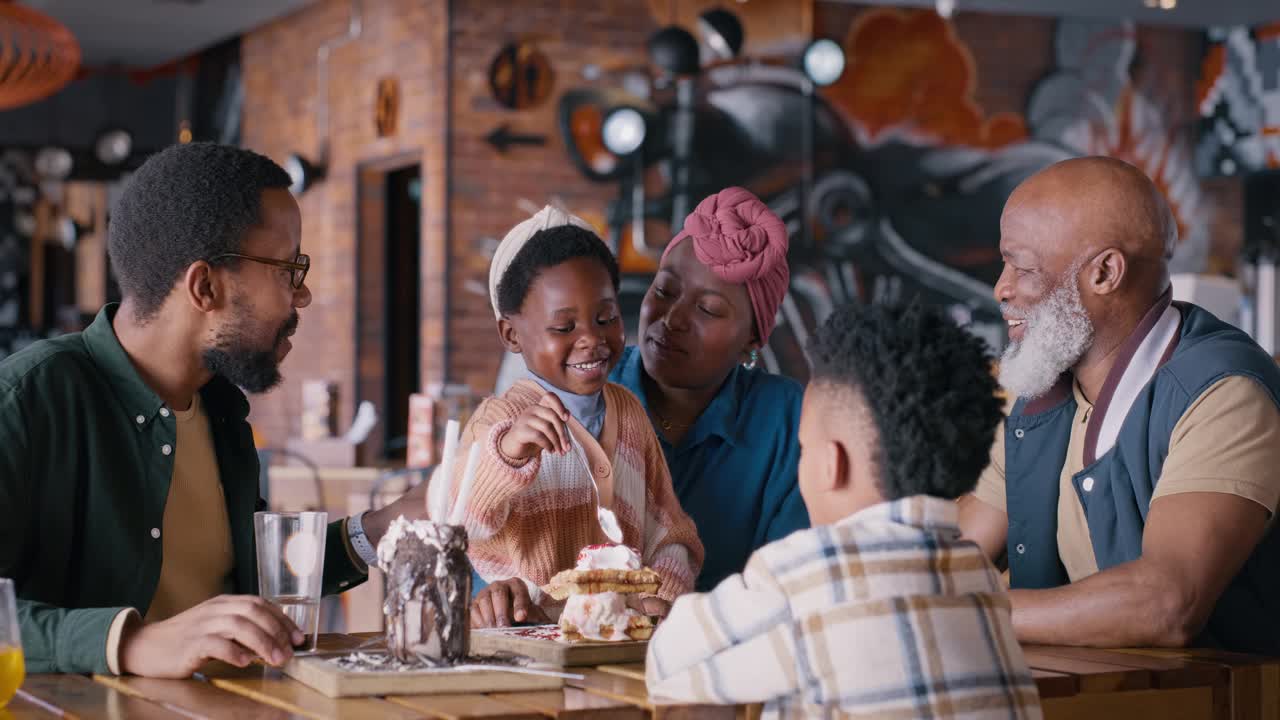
(1095,203)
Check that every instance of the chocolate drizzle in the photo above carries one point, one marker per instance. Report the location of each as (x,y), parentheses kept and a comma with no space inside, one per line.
(428,591)
(383,662)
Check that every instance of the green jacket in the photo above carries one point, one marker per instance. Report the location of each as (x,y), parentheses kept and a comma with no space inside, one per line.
(85,464)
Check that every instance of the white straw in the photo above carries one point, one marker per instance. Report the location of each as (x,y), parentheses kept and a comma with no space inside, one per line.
(523,671)
(464,490)
(447,458)
(57,711)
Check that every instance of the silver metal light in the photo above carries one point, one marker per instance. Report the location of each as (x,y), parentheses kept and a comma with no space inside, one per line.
(302,173)
(623,131)
(113,146)
(722,32)
(824,61)
(53,163)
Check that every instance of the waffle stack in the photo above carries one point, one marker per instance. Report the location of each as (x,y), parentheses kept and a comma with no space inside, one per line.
(590,582)
(596,603)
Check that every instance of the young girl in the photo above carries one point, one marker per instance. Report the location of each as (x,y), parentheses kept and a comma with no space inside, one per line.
(554,288)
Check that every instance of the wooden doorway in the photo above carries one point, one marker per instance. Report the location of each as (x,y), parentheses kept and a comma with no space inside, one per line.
(388,316)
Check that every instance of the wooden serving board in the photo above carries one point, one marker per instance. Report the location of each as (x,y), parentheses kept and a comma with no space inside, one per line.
(539,642)
(317,672)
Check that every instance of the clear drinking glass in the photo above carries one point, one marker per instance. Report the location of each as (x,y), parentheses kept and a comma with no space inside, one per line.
(12,668)
(291,565)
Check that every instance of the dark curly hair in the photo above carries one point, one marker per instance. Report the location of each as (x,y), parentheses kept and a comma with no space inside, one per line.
(927,384)
(186,203)
(548,248)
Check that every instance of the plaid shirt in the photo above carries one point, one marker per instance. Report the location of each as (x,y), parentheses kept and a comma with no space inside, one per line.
(885,614)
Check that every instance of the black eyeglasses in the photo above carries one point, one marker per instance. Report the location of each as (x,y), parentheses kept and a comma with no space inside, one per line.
(299,266)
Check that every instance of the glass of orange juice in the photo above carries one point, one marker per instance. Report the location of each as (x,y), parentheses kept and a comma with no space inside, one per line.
(12,669)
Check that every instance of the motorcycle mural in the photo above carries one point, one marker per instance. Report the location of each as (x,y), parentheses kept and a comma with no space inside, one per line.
(883,203)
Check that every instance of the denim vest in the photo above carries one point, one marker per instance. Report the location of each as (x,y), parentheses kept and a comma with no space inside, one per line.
(1115,489)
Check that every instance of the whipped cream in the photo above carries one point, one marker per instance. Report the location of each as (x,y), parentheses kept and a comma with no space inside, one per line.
(592,615)
(427,531)
(608,557)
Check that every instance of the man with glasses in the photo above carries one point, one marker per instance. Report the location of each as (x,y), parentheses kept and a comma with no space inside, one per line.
(128,472)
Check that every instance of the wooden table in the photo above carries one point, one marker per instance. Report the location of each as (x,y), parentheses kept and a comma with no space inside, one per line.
(1073,682)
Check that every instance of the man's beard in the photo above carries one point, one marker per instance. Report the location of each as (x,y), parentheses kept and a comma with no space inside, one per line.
(234,357)
(1058,332)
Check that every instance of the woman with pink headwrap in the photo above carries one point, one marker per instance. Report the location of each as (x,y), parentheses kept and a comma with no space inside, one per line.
(728,429)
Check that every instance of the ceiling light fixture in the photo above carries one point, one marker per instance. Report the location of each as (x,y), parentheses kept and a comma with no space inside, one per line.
(38,55)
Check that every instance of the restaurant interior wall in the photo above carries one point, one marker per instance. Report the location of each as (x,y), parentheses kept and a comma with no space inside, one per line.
(54,274)
(402,39)
(901,184)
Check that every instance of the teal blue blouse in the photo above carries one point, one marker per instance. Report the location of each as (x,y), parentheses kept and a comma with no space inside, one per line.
(735,471)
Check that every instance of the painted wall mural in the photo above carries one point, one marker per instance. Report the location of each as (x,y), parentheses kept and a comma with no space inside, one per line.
(1239,100)
(1091,106)
(910,75)
(892,180)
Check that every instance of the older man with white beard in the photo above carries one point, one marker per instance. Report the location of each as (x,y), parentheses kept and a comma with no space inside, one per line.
(1133,484)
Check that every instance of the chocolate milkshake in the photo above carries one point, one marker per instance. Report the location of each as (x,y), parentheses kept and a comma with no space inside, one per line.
(428,591)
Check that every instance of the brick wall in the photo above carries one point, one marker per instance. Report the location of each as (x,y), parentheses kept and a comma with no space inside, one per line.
(490,192)
(407,39)
(440,52)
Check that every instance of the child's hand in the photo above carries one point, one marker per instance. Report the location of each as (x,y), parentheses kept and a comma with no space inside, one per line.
(505,602)
(540,427)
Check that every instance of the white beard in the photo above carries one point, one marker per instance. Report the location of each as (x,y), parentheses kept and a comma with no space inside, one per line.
(1058,332)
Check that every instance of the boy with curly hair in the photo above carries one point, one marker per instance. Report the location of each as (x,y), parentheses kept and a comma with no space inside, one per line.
(881,609)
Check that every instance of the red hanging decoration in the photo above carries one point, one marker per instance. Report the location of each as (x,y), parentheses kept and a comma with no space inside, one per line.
(38,55)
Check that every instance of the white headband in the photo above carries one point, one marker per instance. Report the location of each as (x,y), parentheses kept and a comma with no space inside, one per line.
(518,237)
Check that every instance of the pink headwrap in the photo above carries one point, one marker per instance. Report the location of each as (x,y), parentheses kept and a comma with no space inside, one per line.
(742,241)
